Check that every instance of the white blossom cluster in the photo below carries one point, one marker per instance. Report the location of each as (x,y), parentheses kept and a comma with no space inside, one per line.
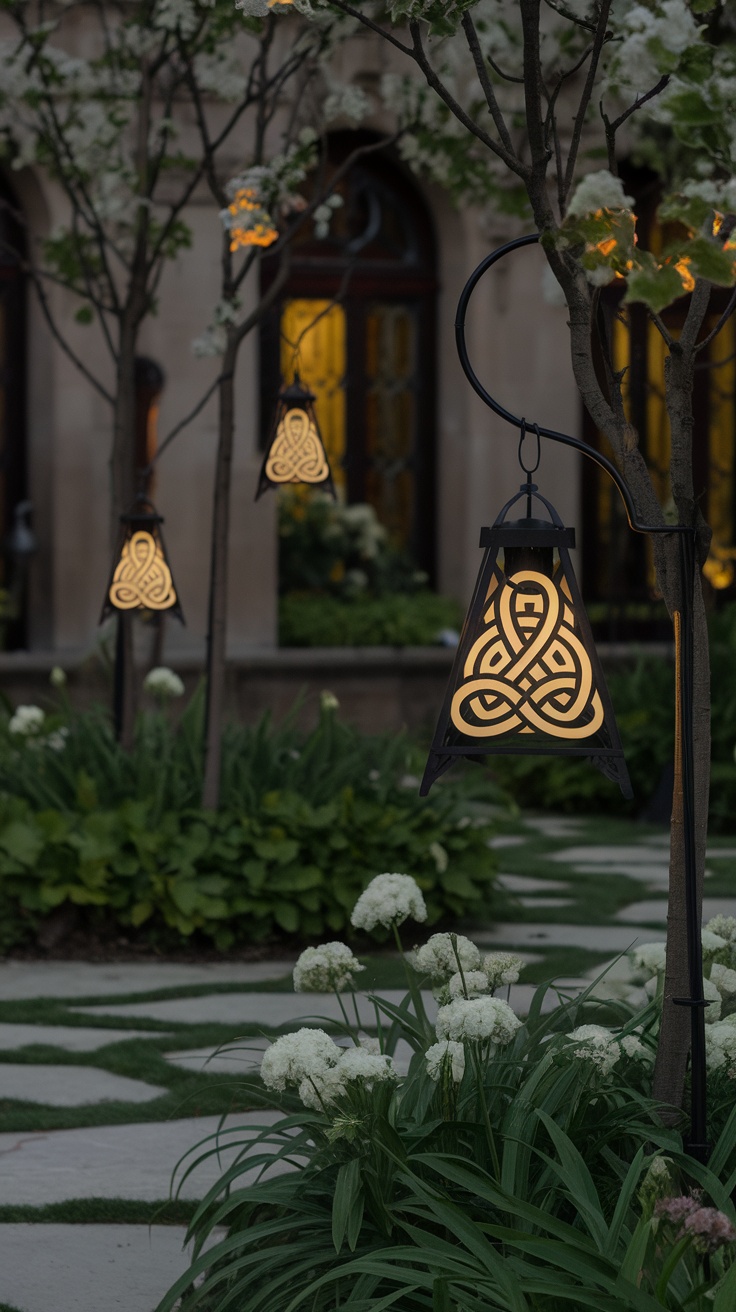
(26,721)
(163,682)
(272,188)
(725,929)
(720,1046)
(443,955)
(477,1020)
(213,340)
(321,1072)
(603,1049)
(469,984)
(389,899)
(329,966)
(502,968)
(651,35)
(598,191)
(449,1056)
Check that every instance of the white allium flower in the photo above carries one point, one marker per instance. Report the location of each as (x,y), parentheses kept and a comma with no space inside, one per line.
(57,677)
(439,856)
(442,955)
(711,942)
(388,899)
(724,926)
(599,191)
(26,721)
(329,966)
(633,1047)
(447,1054)
(471,984)
(328,701)
(319,1089)
(477,1020)
(713,998)
(597,1045)
(724,980)
(649,958)
(720,1048)
(502,968)
(294,1057)
(163,682)
(56,741)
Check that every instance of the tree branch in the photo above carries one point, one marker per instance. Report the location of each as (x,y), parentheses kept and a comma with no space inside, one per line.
(471,37)
(599,40)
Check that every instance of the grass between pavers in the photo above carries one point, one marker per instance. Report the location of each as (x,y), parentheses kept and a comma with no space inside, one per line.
(101,1211)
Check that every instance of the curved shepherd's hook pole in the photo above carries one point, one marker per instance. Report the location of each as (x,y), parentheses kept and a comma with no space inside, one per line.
(683,632)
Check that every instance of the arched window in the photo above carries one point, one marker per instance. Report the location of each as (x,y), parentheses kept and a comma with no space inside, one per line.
(357,319)
(618,572)
(13,473)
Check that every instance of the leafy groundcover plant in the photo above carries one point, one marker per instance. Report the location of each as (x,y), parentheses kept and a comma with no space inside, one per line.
(307,819)
(478,1164)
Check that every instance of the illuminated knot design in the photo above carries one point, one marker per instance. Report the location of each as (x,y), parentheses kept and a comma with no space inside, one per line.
(297,454)
(528,672)
(142,578)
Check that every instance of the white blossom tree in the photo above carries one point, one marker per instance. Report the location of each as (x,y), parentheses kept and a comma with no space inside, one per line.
(505,103)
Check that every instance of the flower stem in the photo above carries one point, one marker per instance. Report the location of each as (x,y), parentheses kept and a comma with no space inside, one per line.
(484,1112)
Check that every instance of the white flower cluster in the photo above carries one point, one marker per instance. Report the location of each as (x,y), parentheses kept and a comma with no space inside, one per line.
(469,984)
(603,1049)
(163,682)
(502,968)
(443,955)
(598,191)
(214,338)
(650,37)
(329,966)
(321,1071)
(363,527)
(724,927)
(720,1046)
(26,721)
(477,1020)
(389,899)
(446,1056)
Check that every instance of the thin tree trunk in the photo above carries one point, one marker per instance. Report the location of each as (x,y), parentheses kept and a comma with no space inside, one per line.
(217,627)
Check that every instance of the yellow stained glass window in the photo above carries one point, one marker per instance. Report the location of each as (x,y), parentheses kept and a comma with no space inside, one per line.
(313,343)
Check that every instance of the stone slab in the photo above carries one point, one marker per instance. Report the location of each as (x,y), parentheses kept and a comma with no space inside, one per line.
(656,873)
(79,979)
(506,840)
(590,854)
(534,901)
(526,884)
(118,1161)
(597,938)
(655,909)
(71,1086)
(71,1038)
(554,826)
(268,1010)
(85,1268)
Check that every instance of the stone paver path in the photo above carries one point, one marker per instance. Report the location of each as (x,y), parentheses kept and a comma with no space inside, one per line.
(102,1018)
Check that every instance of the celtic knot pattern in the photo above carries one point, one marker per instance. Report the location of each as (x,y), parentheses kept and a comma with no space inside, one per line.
(142,579)
(297,454)
(527,672)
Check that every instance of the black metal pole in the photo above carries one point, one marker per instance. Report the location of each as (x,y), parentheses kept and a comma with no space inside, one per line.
(697,1144)
(684,769)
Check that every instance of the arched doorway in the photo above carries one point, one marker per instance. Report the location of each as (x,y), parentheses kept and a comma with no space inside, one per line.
(357,318)
(13,472)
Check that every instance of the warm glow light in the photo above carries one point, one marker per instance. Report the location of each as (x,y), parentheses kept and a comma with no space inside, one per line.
(297,454)
(605,247)
(527,672)
(142,579)
(717,223)
(683,268)
(259,234)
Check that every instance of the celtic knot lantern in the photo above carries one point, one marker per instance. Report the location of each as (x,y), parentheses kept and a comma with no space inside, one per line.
(141,578)
(526,678)
(296,453)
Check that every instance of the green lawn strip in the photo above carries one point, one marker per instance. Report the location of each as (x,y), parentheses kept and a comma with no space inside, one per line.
(101,1211)
(5,1307)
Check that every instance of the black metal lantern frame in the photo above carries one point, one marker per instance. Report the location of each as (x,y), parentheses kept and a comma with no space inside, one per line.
(443,751)
(526,678)
(295,452)
(141,577)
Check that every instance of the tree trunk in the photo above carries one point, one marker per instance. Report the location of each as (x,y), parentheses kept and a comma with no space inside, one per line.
(217,627)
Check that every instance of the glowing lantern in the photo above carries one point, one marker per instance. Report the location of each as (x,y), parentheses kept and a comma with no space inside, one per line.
(526,678)
(141,578)
(296,453)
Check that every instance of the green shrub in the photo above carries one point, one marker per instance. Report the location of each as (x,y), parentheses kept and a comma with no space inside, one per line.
(393,620)
(283,867)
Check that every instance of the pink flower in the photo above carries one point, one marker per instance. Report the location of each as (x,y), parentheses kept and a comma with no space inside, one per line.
(707,1227)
